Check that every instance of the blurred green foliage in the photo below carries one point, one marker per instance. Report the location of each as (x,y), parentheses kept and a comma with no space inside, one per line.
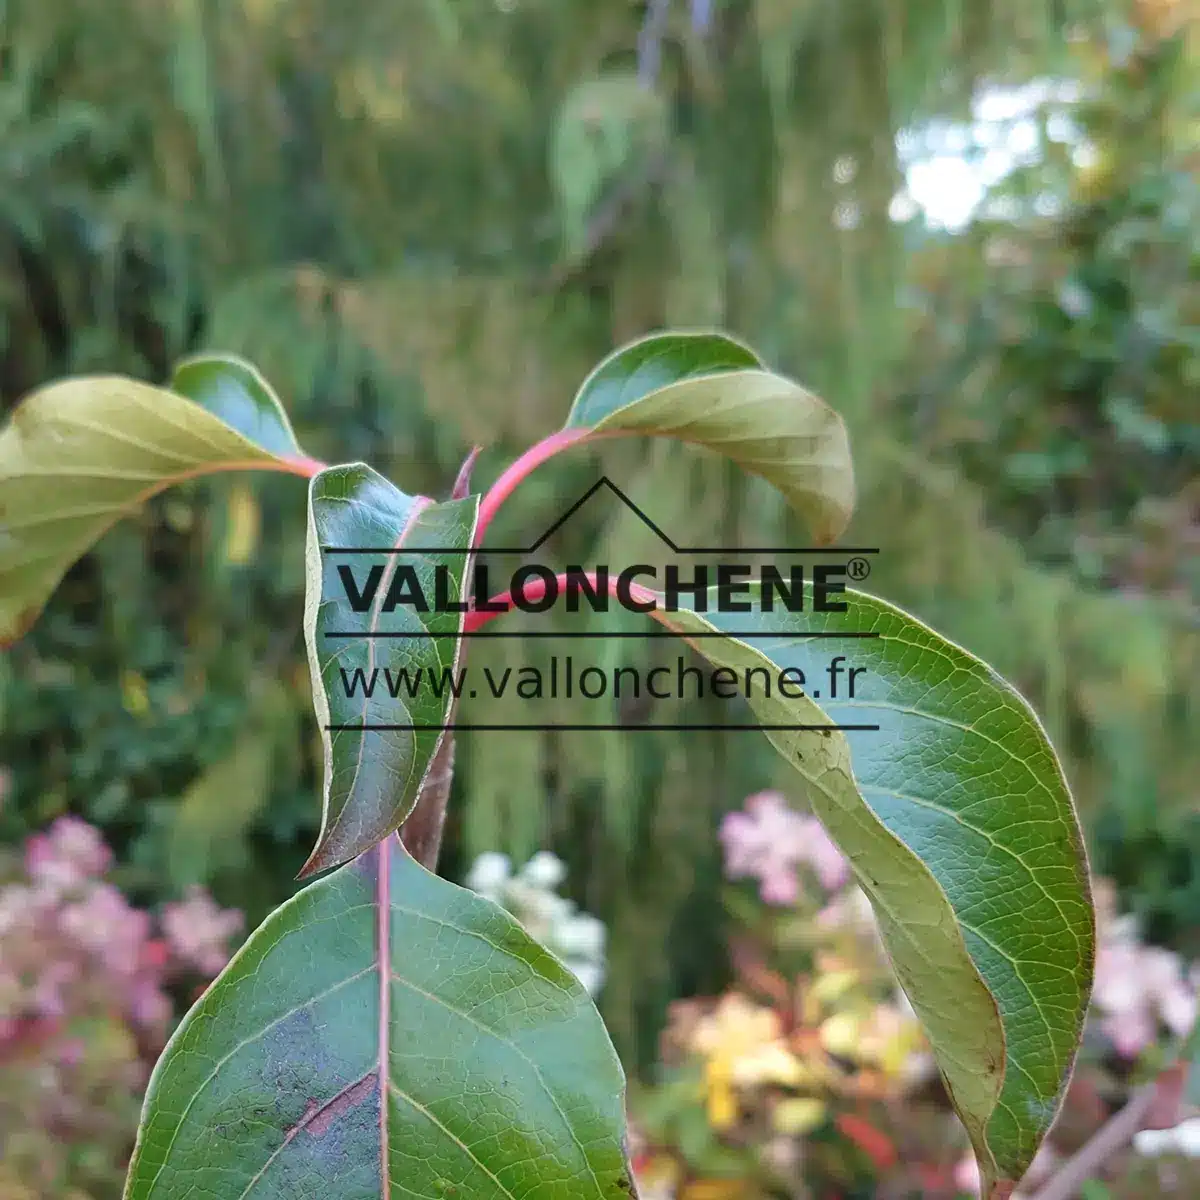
(425,222)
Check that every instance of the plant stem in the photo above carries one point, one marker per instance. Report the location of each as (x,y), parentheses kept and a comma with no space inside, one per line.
(421,833)
(533,457)
(304,466)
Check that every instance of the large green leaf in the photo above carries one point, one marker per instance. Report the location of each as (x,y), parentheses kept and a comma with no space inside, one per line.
(386,1033)
(78,455)
(373,774)
(709,389)
(960,828)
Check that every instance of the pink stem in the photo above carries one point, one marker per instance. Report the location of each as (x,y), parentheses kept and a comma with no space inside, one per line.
(535,589)
(302,465)
(517,471)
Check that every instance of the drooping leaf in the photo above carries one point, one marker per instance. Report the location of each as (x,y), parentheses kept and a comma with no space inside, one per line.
(359,658)
(78,455)
(961,830)
(386,1033)
(235,392)
(709,389)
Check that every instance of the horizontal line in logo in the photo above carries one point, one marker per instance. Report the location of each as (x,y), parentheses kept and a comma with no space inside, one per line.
(610,728)
(596,634)
(824,551)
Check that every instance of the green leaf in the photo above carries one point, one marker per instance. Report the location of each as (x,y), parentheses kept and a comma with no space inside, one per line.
(387,1033)
(232,390)
(78,455)
(960,828)
(709,389)
(373,775)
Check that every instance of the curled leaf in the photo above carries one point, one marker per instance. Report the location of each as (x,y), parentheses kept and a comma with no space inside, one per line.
(953,810)
(708,389)
(77,456)
(383,670)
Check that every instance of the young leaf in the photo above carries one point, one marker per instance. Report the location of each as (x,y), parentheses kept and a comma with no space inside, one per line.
(709,389)
(386,1033)
(382,649)
(77,456)
(958,823)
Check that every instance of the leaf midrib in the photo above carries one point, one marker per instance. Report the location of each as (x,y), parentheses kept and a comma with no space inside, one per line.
(384,907)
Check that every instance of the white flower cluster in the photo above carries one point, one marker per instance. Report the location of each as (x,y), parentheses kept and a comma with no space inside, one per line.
(531,896)
(1183,1139)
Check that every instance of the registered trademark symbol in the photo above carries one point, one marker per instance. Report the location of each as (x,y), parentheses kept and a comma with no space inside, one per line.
(858,568)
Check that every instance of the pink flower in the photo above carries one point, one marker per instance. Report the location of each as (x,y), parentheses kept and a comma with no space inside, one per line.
(198,931)
(75,956)
(849,910)
(67,855)
(1138,987)
(70,1052)
(49,992)
(823,856)
(966,1174)
(17,909)
(106,926)
(768,841)
(779,887)
(148,1005)
(1167,987)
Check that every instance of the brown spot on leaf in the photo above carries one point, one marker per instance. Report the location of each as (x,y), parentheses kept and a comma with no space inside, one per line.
(318,1118)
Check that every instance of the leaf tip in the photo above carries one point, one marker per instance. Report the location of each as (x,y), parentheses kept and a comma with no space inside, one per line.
(12,632)
(319,860)
(462,484)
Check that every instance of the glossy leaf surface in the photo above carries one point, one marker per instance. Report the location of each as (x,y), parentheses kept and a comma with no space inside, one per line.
(708,389)
(960,828)
(378,747)
(387,1034)
(78,455)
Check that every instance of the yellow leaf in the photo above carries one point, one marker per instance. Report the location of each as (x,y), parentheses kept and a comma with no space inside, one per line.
(722,1104)
(716,1189)
(662,1171)
(244,522)
(134,694)
(829,988)
(841,1034)
(772,1063)
(736,1024)
(798,1115)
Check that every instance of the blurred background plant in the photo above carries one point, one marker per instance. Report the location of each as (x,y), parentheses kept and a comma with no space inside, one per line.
(89,988)
(531,895)
(973,228)
(809,1076)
